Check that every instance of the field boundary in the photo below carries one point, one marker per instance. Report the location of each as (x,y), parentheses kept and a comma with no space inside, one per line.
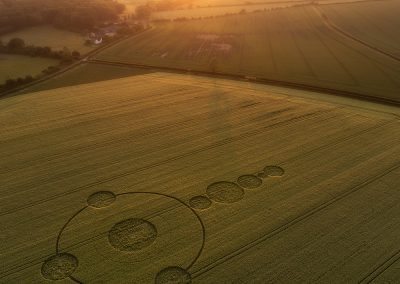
(265,81)
(88,58)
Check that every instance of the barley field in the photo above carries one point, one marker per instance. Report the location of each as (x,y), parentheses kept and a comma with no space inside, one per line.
(293,45)
(161,177)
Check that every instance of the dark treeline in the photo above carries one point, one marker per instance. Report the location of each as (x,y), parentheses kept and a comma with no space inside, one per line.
(67,14)
(13,83)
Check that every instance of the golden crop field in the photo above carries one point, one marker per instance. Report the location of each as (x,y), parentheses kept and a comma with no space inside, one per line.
(160,177)
(293,45)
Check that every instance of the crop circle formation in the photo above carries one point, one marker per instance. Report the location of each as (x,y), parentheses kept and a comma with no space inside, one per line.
(127,240)
(173,275)
(225,192)
(132,234)
(59,266)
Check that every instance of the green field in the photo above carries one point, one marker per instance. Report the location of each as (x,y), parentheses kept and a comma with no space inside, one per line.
(55,38)
(291,44)
(162,176)
(14,66)
(86,73)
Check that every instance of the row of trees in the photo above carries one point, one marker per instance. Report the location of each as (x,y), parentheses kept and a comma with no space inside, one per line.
(183,19)
(13,83)
(144,12)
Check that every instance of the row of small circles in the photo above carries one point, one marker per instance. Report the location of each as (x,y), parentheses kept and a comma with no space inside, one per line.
(230,192)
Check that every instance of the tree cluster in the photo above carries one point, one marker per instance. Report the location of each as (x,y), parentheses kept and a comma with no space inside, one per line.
(67,14)
(13,83)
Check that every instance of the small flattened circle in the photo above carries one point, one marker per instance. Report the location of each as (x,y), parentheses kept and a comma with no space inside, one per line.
(101,199)
(59,266)
(200,202)
(225,192)
(132,234)
(173,275)
(274,171)
(249,181)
